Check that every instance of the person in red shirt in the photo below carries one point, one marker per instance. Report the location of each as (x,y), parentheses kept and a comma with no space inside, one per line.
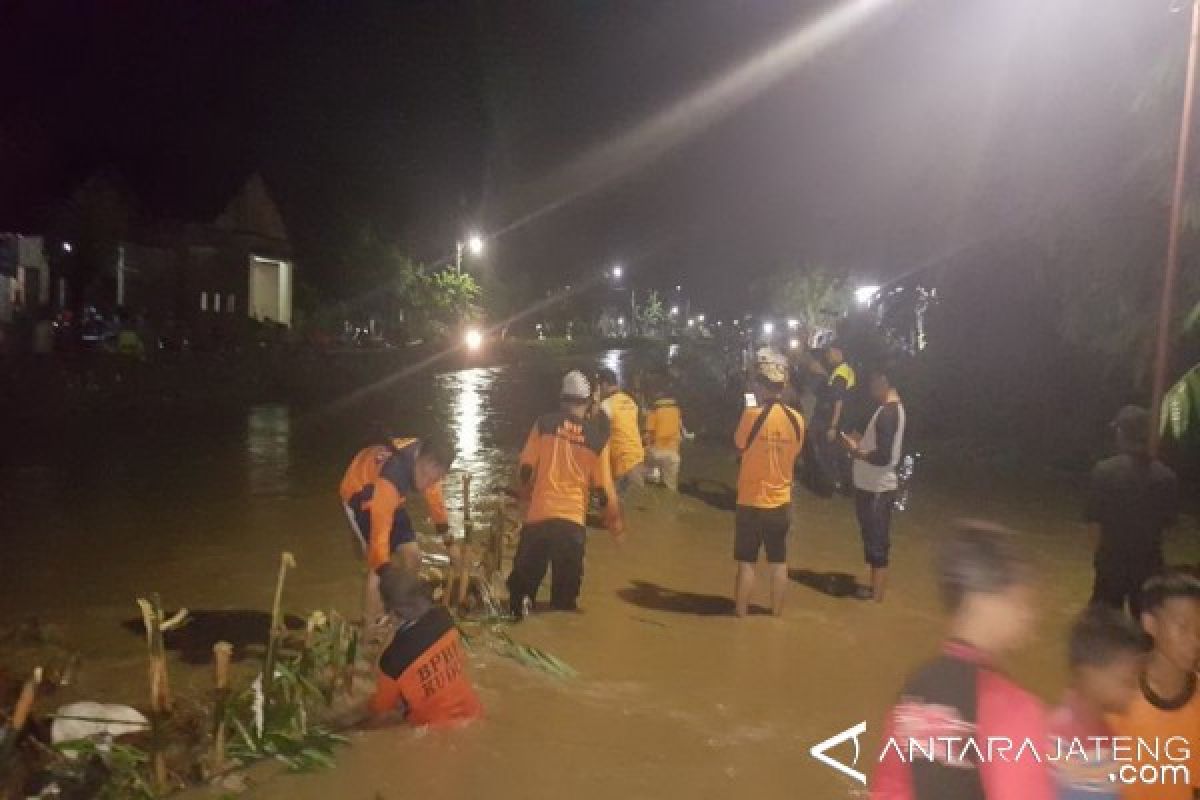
(962,696)
(374,493)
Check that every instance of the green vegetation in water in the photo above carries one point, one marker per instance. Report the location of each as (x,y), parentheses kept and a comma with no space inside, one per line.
(494,634)
(113,772)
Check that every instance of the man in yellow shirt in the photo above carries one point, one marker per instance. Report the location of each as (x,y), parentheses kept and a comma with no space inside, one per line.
(769,436)
(626,453)
(664,430)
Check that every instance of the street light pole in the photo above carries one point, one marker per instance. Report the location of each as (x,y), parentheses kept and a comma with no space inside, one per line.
(1171,271)
(458,248)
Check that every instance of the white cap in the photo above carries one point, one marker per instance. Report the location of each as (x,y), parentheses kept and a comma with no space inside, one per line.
(575,385)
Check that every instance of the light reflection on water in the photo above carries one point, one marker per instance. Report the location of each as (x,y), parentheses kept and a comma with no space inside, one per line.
(471,395)
(612,360)
(268,450)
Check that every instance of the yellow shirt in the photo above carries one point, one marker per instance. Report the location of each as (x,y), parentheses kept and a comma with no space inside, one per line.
(765,475)
(1166,729)
(625,446)
(664,425)
(846,373)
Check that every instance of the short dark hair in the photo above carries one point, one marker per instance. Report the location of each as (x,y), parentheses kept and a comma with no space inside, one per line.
(440,448)
(1100,636)
(607,376)
(977,558)
(403,593)
(1161,588)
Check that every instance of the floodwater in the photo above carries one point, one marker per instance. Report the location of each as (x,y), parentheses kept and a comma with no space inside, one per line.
(675,698)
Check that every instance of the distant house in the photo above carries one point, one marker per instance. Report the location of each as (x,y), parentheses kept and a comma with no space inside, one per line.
(24,275)
(209,275)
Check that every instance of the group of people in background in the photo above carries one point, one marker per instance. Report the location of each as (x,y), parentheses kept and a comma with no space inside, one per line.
(587,454)
(1128,724)
(770,437)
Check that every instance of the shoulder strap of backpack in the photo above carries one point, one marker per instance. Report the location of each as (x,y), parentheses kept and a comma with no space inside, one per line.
(762,419)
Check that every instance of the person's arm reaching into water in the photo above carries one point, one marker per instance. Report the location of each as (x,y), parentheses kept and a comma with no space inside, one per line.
(385,501)
(437,508)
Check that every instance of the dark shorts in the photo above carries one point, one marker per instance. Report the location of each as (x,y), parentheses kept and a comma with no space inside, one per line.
(874,511)
(360,525)
(761,528)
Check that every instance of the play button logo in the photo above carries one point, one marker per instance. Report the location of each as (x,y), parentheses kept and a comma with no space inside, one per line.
(819,752)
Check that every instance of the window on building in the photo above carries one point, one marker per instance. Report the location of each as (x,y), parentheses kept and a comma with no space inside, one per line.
(204,301)
(231,303)
(217,302)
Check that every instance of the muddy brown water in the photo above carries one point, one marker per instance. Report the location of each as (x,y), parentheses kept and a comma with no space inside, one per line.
(675,698)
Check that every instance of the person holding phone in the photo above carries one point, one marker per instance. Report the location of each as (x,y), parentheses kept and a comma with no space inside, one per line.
(876,456)
(769,438)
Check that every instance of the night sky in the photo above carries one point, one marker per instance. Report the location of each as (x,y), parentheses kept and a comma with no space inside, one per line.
(935,125)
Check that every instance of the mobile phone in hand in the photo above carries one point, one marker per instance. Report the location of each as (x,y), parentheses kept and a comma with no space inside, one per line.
(751,400)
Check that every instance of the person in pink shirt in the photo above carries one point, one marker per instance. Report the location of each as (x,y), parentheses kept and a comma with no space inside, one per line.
(953,711)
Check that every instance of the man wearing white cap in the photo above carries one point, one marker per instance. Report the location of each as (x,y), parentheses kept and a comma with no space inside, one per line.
(565,456)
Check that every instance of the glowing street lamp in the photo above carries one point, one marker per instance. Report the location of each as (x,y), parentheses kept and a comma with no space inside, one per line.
(474,245)
(864,295)
(473,339)
(617,272)
(768,328)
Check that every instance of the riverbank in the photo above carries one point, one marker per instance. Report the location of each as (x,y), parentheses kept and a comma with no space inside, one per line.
(54,388)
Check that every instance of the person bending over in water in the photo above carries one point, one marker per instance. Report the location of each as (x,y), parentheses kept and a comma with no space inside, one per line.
(374,493)
(422,676)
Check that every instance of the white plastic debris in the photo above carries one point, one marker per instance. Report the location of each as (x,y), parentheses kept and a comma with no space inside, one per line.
(99,721)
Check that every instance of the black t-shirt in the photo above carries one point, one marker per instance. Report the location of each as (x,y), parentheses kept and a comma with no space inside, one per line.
(1133,500)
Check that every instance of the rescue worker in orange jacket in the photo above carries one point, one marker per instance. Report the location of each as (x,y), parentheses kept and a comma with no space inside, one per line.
(565,456)
(374,493)
(423,669)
